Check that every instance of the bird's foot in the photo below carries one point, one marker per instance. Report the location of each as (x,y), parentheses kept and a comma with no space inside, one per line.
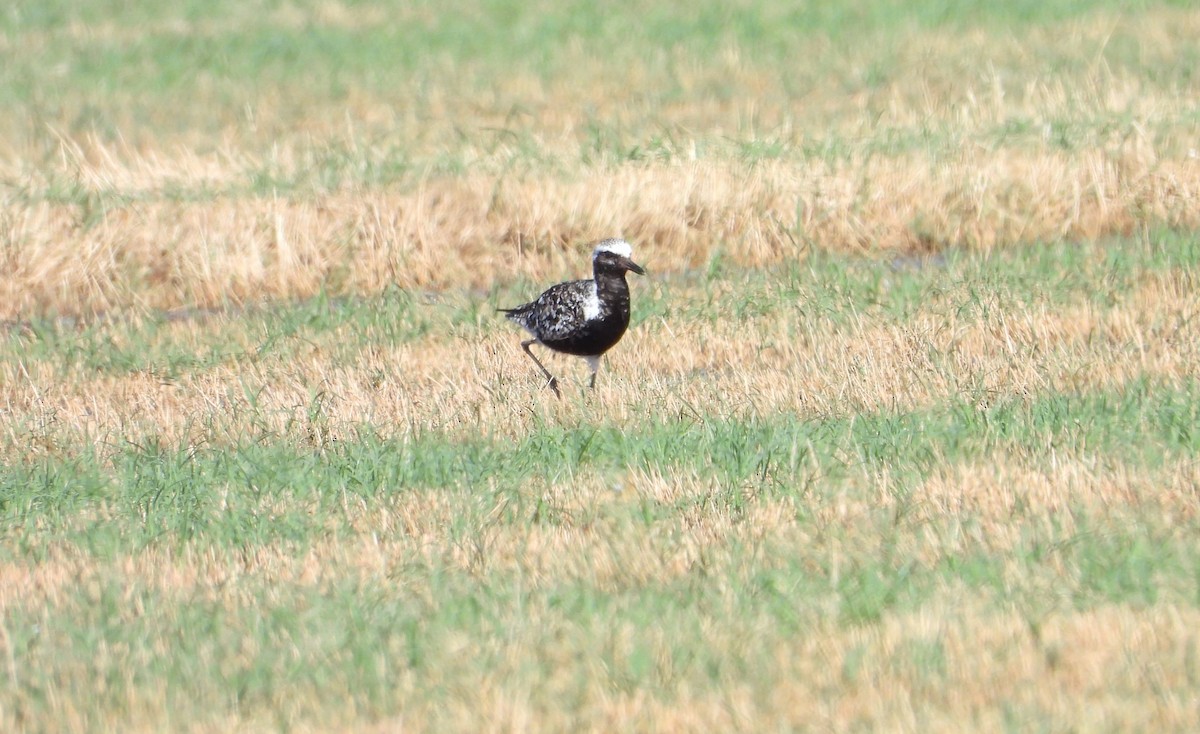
(553,383)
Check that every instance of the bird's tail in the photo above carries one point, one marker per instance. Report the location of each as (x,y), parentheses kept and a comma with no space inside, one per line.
(517,314)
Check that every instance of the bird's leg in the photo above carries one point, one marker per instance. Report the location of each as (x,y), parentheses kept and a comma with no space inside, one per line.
(553,383)
(594,363)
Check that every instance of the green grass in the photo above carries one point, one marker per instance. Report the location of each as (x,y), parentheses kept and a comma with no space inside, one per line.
(423,628)
(334,649)
(135,495)
(160,73)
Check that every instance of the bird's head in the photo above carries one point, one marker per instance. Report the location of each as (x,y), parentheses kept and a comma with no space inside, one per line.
(614,255)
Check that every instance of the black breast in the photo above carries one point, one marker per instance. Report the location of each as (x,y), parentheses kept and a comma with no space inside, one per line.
(595,336)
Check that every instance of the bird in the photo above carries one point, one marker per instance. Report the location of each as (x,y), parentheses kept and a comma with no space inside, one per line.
(584,318)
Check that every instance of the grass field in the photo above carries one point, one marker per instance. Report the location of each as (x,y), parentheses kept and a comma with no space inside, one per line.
(905,434)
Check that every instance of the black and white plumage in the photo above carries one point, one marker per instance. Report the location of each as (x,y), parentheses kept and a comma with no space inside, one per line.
(582,317)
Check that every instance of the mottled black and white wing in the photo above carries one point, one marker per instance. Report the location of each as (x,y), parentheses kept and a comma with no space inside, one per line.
(562,310)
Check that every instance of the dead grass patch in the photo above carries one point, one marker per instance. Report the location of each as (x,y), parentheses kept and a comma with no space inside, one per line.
(768,364)
(950,662)
(474,231)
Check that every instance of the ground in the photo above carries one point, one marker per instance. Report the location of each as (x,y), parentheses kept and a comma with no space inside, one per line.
(903,434)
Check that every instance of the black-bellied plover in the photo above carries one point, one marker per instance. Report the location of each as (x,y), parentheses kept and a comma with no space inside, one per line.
(583,317)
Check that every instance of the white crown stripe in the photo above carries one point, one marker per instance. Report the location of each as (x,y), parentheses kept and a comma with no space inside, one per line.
(614,246)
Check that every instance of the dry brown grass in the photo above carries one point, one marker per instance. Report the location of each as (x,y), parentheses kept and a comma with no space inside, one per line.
(767,365)
(476,230)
